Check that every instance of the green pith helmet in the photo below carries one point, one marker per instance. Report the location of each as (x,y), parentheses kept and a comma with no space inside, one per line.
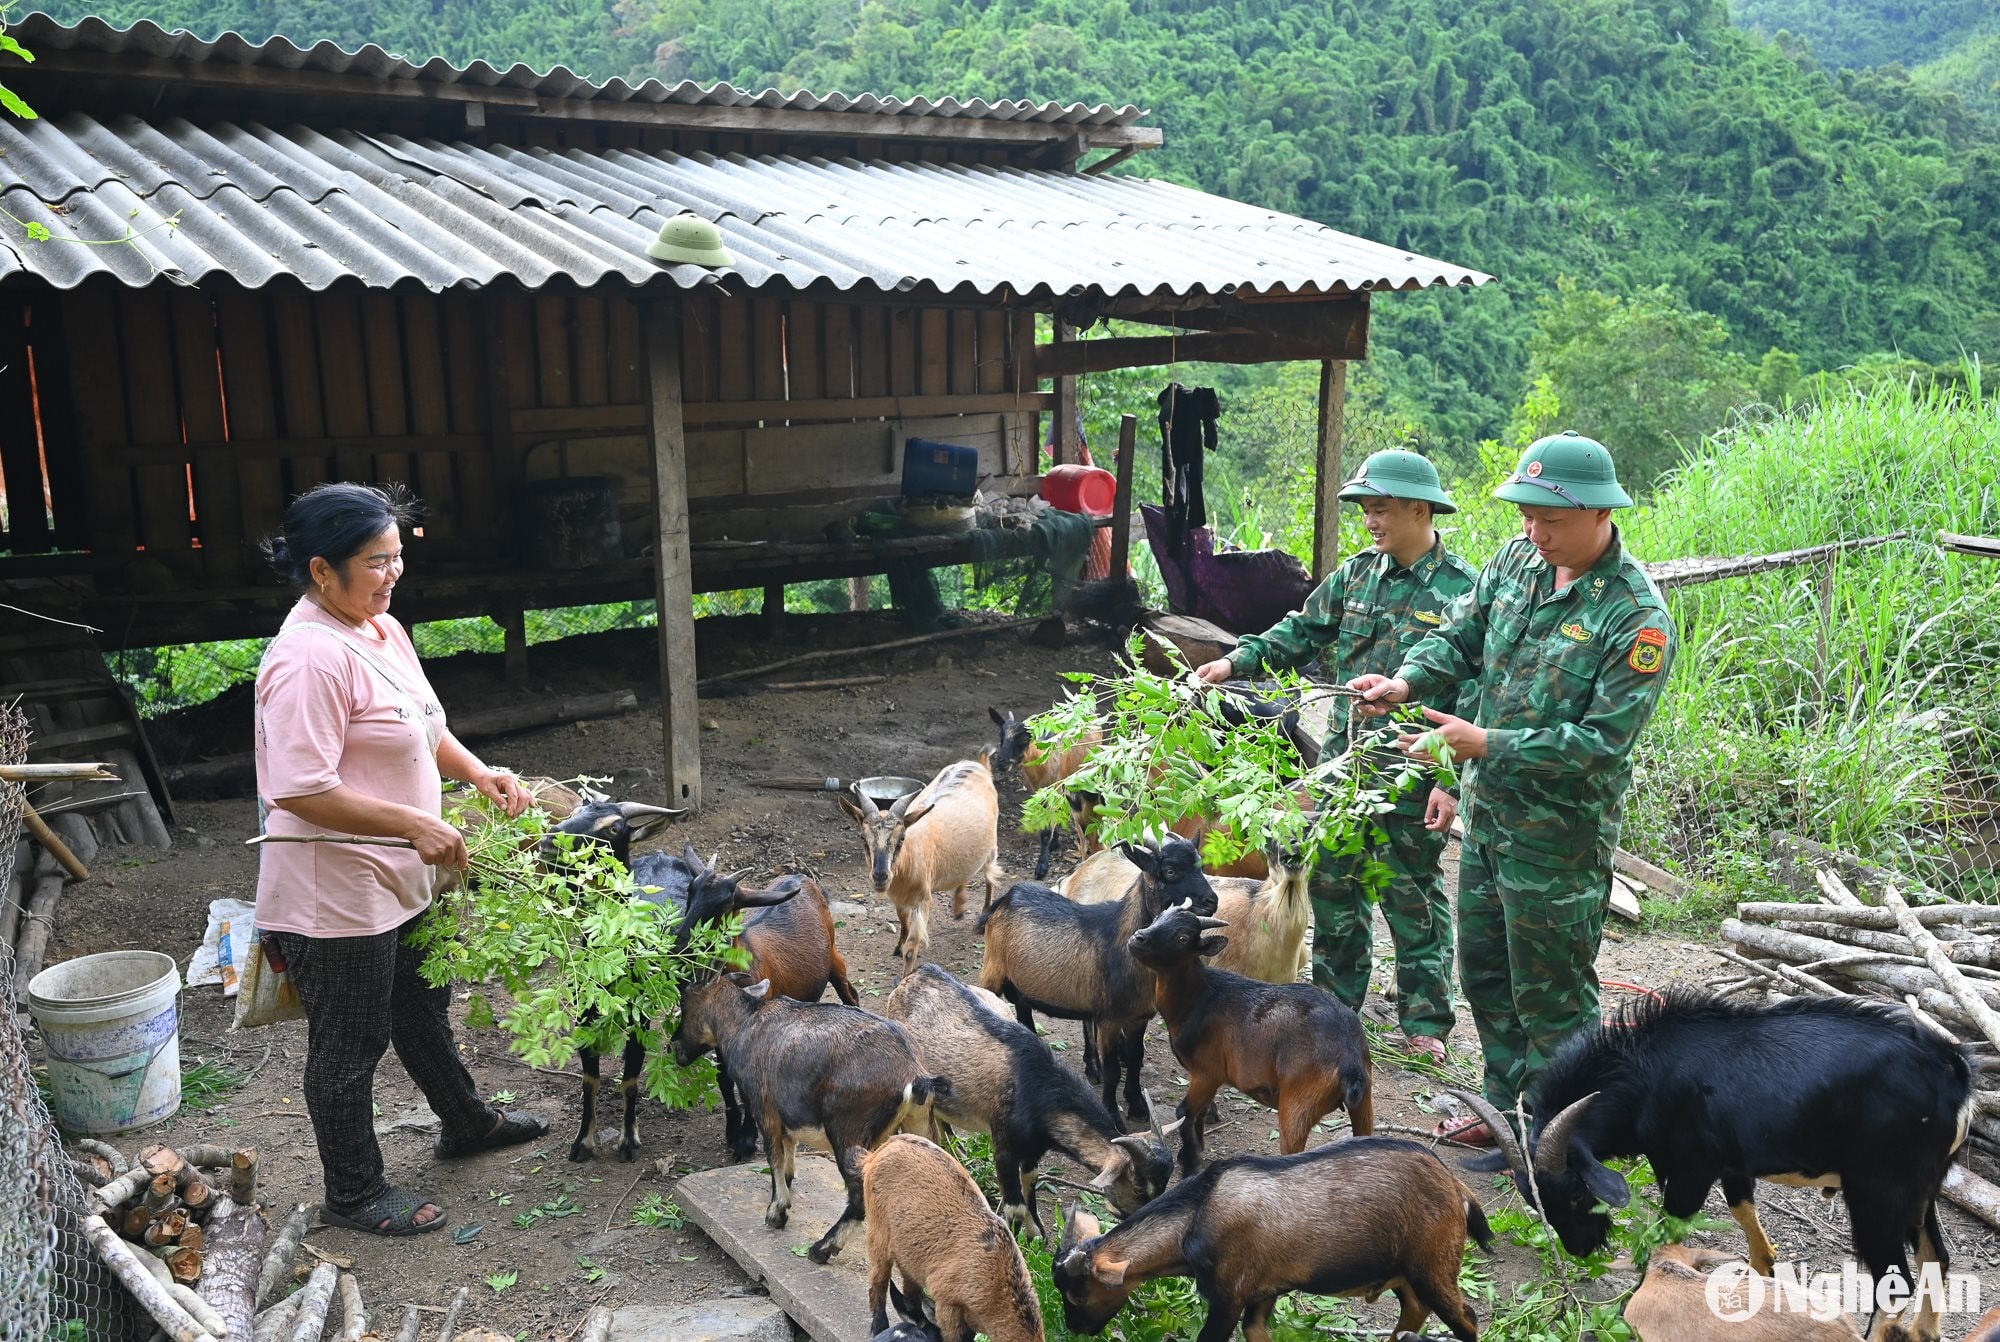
(1397,474)
(1565,470)
(689,239)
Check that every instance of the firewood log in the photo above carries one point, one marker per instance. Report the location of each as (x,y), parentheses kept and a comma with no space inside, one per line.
(207,1155)
(278,1257)
(185,1264)
(198,1309)
(596,1325)
(457,1308)
(197,1197)
(122,1189)
(407,1332)
(275,1323)
(94,1171)
(1967,1190)
(137,1221)
(194,1237)
(353,1318)
(1980,916)
(1955,983)
(166,1229)
(106,1152)
(1976,952)
(310,1321)
(124,1264)
(243,1176)
(160,1193)
(229,1277)
(159,1158)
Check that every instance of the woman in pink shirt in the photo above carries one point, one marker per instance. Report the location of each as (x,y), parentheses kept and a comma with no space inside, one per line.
(351,740)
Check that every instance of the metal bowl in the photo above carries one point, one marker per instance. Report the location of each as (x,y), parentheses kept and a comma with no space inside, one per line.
(887,790)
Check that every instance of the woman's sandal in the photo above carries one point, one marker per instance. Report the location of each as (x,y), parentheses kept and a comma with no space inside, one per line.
(511,1130)
(392,1213)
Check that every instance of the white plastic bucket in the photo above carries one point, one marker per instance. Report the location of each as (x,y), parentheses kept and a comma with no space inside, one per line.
(111,1024)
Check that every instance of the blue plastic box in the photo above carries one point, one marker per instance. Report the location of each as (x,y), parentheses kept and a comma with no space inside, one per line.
(939,468)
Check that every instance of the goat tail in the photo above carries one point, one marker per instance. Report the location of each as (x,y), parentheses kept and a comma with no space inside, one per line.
(1476,1228)
(993,906)
(1355,1084)
(920,1100)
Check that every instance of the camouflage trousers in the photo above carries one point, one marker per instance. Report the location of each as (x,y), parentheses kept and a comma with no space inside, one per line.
(1527,960)
(1416,910)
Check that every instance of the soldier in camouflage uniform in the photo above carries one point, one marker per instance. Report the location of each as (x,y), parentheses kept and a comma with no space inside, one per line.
(1570,645)
(1363,618)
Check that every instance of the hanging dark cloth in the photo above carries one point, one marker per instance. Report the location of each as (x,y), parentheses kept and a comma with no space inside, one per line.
(1187,428)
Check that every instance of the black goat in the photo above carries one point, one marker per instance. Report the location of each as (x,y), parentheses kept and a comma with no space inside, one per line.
(1354,1217)
(1006,1082)
(1044,953)
(811,1067)
(1827,1092)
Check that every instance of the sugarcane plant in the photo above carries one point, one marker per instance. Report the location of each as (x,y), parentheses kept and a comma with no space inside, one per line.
(582,956)
(1170,750)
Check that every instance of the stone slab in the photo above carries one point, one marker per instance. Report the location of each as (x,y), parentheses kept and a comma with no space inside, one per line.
(830,1303)
(743,1320)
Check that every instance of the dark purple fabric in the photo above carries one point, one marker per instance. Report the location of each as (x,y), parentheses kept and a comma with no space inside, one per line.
(1244,591)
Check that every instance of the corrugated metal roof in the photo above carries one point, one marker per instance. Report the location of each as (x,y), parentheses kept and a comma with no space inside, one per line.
(254,203)
(41,33)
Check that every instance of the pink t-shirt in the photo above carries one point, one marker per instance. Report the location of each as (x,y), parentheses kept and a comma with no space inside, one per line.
(328,715)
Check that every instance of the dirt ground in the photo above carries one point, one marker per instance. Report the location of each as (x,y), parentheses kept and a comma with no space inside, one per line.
(930,711)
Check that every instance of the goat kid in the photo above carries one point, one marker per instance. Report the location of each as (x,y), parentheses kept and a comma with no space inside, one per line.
(1826,1092)
(1044,953)
(913,1323)
(834,1074)
(958,842)
(1673,1304)
(1353,1218)
(1041,767)
(1270,916)
(1291,1046)
(928,1218)
(1006,1082)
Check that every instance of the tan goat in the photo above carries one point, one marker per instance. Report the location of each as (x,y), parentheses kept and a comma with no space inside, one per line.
(1268,918)
(927,1218)
(1673,1303)
(943,838)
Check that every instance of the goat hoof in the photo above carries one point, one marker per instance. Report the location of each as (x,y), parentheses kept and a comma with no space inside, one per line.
(628,1151)
(742,1151)
(821,1253)
(581,1151)
(776,1216)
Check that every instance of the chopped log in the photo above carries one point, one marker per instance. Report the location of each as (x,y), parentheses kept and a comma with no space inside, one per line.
(1917,1008)
(105,1151)
(1930,915)
(310,1321)
(207,1155)
(1973,952)
(197,1197)
(275,1323)
(122,1189)
(137,1221)
(159,1158)
(278,1259)
(194,1237)
(1954,982)
(352,1318)
(92,1172)
(1807,950)
(407,1330)
(167,1228)
(451,1314)
(236,1234)
(124,1264)
(198,1309)
(38,920)
(1969,1192)
(243,1176)
(596,1326)
(159,1194)
(1836,893)
(185,1264)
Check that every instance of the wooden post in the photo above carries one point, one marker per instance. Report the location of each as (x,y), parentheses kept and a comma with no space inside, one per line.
(857,592)
(1326,489)
(513,624)
(1121,515)
(774,609)
(672,565)
(1063,434)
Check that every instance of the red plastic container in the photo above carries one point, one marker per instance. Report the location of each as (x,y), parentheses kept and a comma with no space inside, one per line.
(1081,489)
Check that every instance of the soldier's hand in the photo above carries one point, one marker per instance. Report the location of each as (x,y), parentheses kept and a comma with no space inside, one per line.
(1378,692)
(1440,810)
(1467,741)
(1215,672)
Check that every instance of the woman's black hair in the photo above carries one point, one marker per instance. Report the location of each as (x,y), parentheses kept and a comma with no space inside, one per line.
(332,522)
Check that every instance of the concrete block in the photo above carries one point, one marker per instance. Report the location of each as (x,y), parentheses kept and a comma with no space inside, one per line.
(830,1303)
(711,1321)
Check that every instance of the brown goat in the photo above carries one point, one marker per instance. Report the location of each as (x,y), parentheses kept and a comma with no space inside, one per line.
(1988,1327)
(1270,916)
(1041,767)
(1352,1218)
(926,1217)
(943,838)
(1672,1304)
(1292,1046)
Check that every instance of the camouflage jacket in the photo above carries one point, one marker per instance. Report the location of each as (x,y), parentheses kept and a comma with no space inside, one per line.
(1566,681)
(1370,611)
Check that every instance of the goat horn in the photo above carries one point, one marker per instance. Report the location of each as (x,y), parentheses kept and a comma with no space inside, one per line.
(1210,924)
(1552,1147)
(638,810)
(1502,1130)
(738,875)
(1065,1231)
(1152,1116)
(714,858)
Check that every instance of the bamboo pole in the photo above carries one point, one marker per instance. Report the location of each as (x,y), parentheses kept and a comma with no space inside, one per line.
(827,654)
(53,842)
(1954,982)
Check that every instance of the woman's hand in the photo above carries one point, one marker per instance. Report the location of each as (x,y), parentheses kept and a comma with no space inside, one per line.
(1213,673)
(437,843)
(503,789)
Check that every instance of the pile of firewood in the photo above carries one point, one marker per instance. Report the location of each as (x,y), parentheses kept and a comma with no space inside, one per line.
(1941,960)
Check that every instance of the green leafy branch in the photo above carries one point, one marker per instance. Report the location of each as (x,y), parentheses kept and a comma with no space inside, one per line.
(1169,752)
(584,958)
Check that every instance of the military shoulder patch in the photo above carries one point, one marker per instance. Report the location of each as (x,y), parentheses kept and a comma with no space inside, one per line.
(1649,651)
(1427,617)
(1577,632)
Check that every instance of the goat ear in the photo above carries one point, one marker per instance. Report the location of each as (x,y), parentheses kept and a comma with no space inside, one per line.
(999,718)
(1114,1169)
(761,988)
(1212,946)
(775,893)
(1109,1273)
(1084,1226)
(854,811)
(1145,860)
(692,858)
(916,813)
(1605,1184)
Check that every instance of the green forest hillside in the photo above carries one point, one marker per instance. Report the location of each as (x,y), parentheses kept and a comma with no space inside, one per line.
(1952,46)
(1693,182)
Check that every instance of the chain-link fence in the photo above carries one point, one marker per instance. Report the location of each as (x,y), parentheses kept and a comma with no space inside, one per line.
(52,1288)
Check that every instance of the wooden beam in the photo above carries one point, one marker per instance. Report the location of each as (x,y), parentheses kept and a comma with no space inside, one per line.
(1121,507)
(1112,160)
(1075,358)
(614,420)
(282,449)
(1328,479)
(820,124)
(672,563)
(1062,433)
(254,79)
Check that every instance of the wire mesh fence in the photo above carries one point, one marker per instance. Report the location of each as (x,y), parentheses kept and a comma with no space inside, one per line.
(53,1289)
